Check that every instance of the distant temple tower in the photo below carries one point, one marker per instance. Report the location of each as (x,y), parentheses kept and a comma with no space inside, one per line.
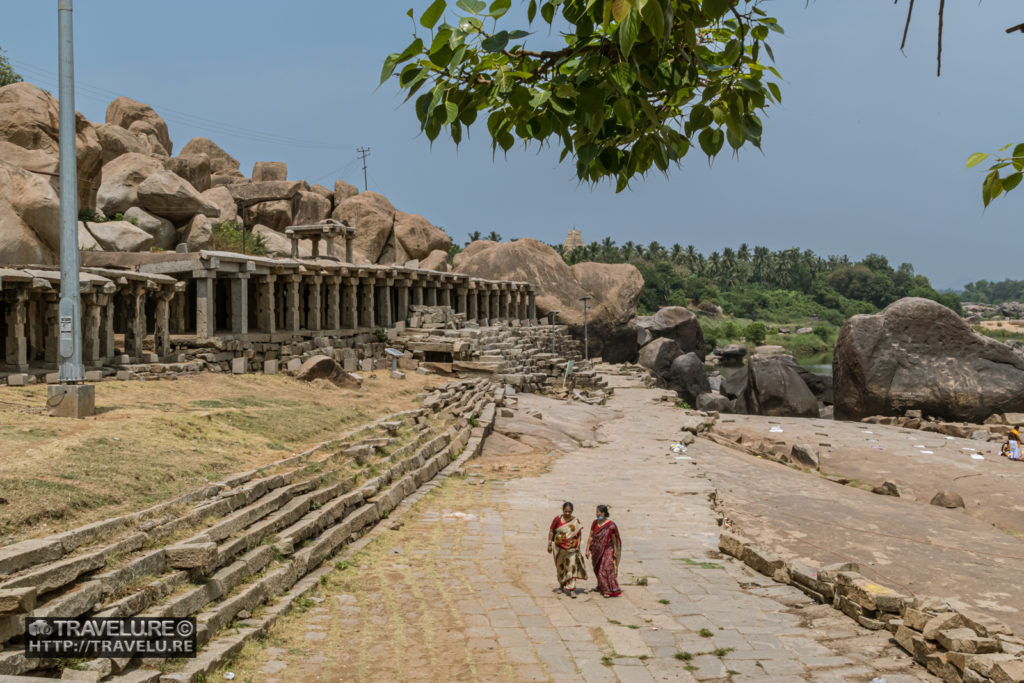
(573,240)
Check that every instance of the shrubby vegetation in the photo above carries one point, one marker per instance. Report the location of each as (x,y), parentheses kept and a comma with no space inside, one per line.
(763,285)
(985,292)
(227,236)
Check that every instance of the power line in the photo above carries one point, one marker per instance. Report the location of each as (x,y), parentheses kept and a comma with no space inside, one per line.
(363,153)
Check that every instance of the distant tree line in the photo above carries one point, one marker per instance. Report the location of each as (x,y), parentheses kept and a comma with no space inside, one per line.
(985,292)
(757,283)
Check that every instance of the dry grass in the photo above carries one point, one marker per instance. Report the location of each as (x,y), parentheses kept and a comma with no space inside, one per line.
(151,441)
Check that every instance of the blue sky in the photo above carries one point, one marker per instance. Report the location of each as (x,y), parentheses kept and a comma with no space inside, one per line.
(866,154)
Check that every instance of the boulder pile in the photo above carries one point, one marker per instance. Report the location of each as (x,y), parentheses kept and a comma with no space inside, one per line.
(919,355)
(141,198)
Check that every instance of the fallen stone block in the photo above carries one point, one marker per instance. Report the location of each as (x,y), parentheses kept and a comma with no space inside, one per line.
(764,561)
(1008,672)
(804,455)
(966,640)
(732,544)
(942,622)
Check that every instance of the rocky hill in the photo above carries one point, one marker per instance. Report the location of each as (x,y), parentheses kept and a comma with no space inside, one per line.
(126,171)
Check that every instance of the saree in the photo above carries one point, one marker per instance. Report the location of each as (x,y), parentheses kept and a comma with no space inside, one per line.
(568,562)
(605,552)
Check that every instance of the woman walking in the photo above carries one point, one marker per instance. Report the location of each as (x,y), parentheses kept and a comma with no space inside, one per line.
(564,541)
(604,550)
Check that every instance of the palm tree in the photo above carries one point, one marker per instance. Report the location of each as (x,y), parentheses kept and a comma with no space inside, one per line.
(474,236)
(493,236)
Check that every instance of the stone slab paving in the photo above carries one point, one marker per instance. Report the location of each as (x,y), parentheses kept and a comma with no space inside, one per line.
(469,594)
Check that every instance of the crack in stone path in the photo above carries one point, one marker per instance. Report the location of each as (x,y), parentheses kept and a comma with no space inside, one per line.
(464,590)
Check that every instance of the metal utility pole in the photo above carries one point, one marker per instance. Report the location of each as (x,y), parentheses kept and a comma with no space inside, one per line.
(363,153)
(70,301)
(70,398)
(586,336)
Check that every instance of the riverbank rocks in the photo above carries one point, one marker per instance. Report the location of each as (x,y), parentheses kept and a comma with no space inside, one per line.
(775,388)
(947,499)
(688,377)
(658,356)
(672,322)
(918,354)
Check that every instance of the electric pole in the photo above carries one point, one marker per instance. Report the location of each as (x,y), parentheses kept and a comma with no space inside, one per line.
(70,398)
(363,153)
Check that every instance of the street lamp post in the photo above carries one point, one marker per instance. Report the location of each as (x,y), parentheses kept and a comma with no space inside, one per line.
(552,315)
(70,398)
(586,336)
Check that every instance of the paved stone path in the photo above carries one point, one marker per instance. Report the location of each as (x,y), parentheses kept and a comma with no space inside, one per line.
(465,591)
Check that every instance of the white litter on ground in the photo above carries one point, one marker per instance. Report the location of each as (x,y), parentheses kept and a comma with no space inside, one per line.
(976,456)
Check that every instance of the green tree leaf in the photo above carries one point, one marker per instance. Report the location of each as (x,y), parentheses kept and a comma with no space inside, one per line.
(976,159)
(433,13)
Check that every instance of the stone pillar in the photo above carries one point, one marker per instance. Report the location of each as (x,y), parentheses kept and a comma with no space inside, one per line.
(348,247)
(266,313)
(239,306)
(206,307)
(50,337)
(513,304)
(107,326)
(532,305)
(16,321)
(485,306)
(350,303)
(460,301)
(134,320)
(402,314)
(472,304)
(446,295)
(91,329)
(292,303)
(523,306)
(367,316)
(417,294)
(178,324)
(333,318)
(384,307)
(431,294)
(315,312)
(162,326)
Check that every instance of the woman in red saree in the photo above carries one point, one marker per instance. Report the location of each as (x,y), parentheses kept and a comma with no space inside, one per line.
(564,542)
(604,550)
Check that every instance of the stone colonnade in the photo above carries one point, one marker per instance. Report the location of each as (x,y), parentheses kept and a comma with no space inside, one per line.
(205,295)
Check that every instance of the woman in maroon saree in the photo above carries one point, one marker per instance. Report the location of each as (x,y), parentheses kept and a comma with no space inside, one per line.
(604,550)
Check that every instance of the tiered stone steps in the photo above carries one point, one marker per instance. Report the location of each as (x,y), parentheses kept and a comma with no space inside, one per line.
(234,555)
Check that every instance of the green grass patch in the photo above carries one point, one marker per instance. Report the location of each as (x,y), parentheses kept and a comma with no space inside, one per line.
(705,633)
(703,565)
